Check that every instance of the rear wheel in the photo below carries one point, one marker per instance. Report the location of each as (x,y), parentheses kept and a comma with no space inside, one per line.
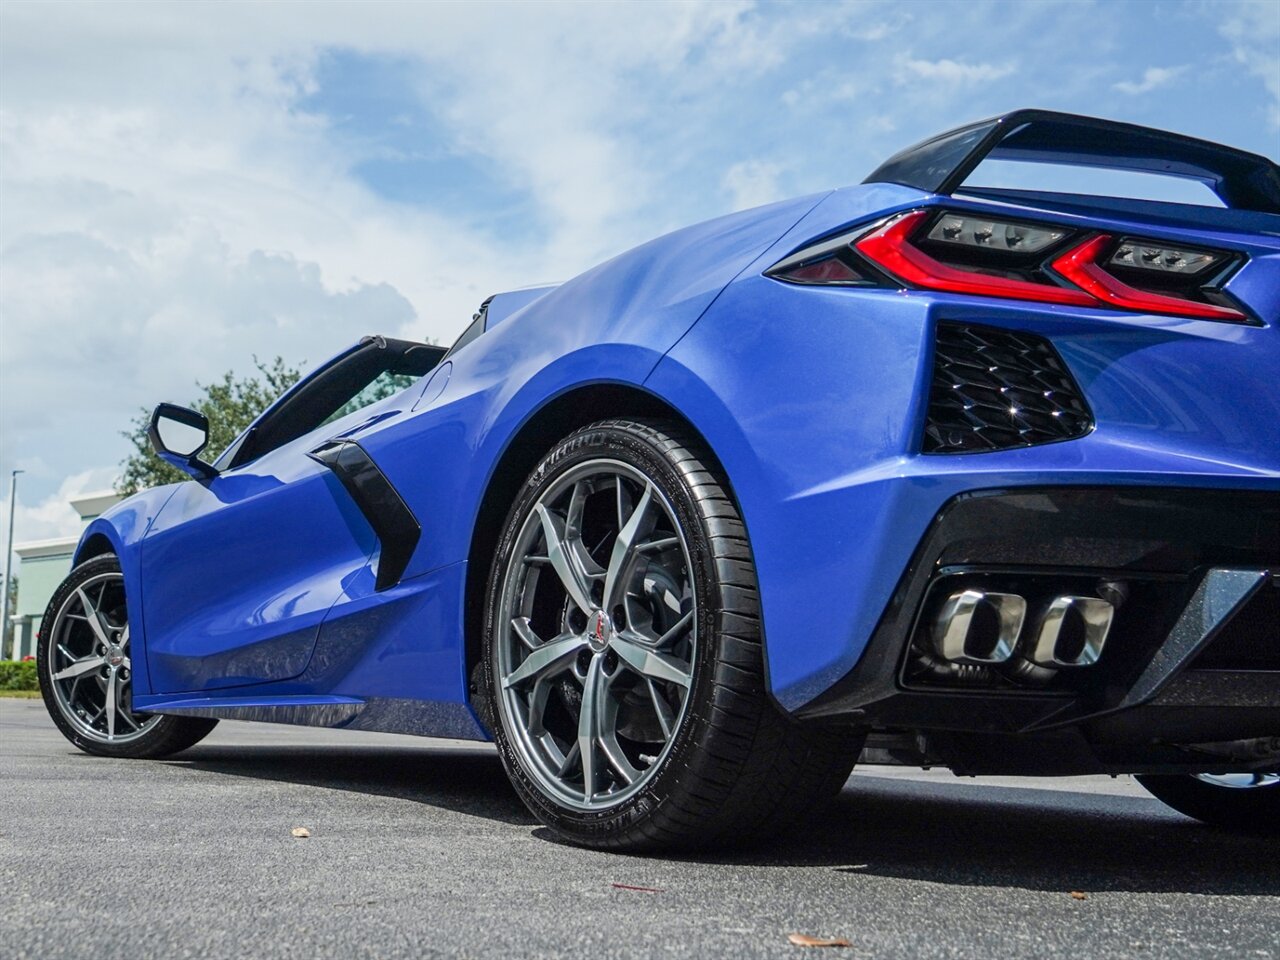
(1248,802)
(85,665)
(623,655)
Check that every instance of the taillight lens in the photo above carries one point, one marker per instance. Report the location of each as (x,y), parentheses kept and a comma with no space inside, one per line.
(891,248)
(1082,266)
(961,252)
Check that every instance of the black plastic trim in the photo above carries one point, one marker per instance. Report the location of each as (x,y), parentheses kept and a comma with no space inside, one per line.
(1152,531)
(992,389)
(309,402)
(190,462)
(1243,181)
(394,524)
(478,325)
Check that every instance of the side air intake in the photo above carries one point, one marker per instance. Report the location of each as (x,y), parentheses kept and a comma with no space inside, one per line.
(996,389)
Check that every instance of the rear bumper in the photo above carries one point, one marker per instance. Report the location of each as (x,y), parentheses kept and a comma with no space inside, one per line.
(1194,652)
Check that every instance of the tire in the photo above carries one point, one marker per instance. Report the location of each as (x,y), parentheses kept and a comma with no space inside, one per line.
(690,750)
(82,660)
(1231,802)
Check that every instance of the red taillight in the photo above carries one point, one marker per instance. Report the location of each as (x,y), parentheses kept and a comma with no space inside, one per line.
(890,248)
(970,253)
(1080,265)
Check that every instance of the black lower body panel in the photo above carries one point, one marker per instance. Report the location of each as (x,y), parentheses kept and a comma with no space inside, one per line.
(1193,653)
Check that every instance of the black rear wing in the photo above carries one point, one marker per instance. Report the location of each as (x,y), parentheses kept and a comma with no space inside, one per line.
(1243,181)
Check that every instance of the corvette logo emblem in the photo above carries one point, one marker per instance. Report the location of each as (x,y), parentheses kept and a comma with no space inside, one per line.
(601,630)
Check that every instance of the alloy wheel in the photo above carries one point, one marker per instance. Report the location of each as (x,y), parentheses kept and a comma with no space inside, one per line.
(90,670)
(597,633)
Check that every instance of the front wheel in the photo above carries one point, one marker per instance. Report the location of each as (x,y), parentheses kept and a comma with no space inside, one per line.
(1248,802)
(623,655)
(84,662)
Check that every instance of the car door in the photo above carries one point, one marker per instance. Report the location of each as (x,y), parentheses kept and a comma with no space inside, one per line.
(239,570)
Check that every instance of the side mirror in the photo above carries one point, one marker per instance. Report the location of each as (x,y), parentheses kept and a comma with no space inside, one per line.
(177,435)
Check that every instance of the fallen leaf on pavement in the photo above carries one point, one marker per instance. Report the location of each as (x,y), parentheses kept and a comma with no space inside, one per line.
(801,940)
(627,886)
(1077,895)
(300,832)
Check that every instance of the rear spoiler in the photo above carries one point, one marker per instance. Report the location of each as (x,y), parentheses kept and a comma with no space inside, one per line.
(1243,181)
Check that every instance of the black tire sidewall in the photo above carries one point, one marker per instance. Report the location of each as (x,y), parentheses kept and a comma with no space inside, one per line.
(1244,810)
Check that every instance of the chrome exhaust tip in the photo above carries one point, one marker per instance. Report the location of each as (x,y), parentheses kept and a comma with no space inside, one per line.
(1072,632)
(977,627)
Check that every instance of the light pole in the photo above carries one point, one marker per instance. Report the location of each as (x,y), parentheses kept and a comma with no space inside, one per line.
(8,561)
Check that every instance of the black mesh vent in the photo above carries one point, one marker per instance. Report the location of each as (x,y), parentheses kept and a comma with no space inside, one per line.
(996,389)
(1251,639)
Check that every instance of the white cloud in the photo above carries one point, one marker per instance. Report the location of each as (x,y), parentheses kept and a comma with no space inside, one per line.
(947,72)
(1253,30)
(169,210)
(1152,79)
(752,183)
(170,204)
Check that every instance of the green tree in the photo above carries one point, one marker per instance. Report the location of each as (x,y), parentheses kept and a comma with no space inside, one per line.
(230,403)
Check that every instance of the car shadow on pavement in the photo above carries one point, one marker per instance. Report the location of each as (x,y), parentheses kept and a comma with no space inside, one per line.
(962,833)
(967,834)
(464,781)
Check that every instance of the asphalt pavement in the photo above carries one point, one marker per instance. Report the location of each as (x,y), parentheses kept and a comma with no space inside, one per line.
(420,849)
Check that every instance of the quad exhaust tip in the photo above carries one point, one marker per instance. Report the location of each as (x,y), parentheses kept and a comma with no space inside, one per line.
(985,629)
(1072,632)
(978,627)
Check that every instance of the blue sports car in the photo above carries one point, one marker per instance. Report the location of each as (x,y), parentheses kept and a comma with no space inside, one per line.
(916,471)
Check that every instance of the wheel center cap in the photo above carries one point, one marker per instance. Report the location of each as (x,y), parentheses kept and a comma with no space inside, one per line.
(115,656)
(599,630)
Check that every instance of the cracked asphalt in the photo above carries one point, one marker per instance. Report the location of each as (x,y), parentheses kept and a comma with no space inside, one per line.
(420,849)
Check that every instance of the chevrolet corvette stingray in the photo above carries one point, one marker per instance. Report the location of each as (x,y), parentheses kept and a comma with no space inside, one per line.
(918,471)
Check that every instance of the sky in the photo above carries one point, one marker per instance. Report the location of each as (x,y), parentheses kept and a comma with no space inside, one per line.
(186,186)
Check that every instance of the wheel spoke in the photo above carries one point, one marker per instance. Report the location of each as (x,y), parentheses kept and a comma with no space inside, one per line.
(621,558)
(94,618)
(546,660)
(525,632)
(662,709)
(127,717)
(612,751)
(651,664)
(577,501)
(677,628)
(593,693)
(653,546)
(570,759)
(564,560)
(607,736)
(83,665)
(538,697)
